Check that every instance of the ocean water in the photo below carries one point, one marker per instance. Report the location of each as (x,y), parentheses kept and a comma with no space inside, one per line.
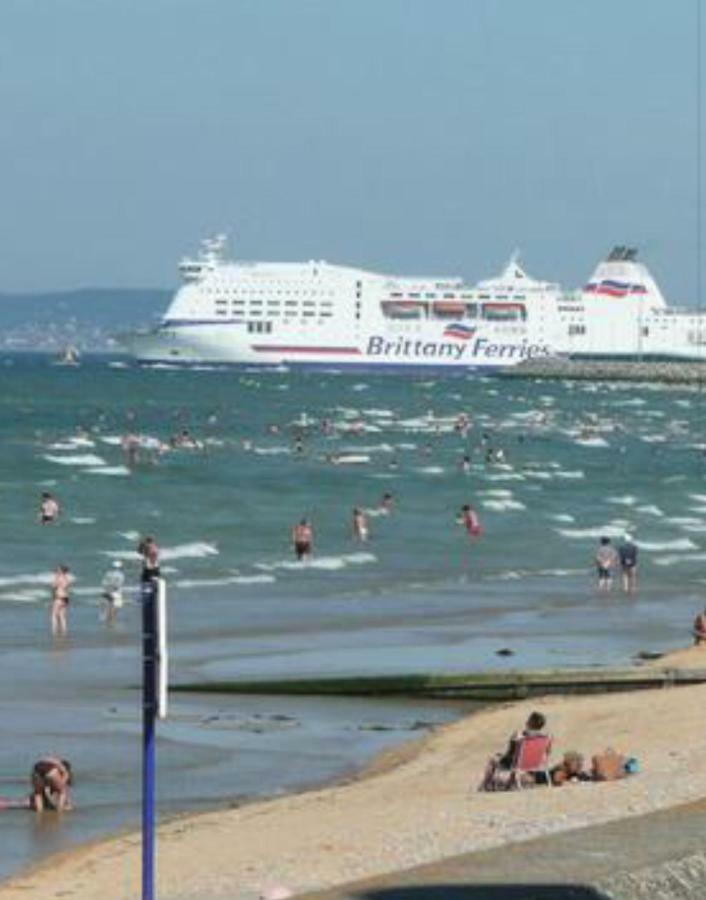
(582,460)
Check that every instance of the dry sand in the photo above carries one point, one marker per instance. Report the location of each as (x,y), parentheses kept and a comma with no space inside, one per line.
(420,810)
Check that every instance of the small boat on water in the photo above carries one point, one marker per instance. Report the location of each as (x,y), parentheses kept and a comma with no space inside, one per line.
(68,357)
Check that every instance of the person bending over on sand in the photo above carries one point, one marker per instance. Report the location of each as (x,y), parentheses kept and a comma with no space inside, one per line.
(700,628)
(49,509)
(497,771)
(302,540)
(606,561)
(51,779)
(60,600)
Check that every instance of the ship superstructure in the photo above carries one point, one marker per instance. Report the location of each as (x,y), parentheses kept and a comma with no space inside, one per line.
(317,313)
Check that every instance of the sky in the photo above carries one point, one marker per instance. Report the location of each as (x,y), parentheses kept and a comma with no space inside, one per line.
(406,136)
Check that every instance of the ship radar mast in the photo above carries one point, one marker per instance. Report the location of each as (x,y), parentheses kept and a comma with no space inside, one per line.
(211,255)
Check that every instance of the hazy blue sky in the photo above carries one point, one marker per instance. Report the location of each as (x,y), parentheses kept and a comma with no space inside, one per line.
(418,136)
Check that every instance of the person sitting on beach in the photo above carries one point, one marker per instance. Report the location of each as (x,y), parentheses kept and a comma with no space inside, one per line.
(49,508)
(302,540)
(497,776)
(51,779)
(606,560)
(699,631)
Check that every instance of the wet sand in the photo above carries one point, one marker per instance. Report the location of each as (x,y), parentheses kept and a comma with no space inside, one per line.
(418,807)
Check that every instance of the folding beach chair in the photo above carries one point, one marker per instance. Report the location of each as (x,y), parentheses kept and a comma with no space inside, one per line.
(531,758)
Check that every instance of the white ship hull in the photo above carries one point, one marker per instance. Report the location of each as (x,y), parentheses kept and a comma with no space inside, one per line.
(317,314)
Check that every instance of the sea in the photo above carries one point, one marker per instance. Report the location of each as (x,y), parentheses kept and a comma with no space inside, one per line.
(578,461)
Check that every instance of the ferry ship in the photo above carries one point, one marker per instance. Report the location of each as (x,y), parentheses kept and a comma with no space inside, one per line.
(319,314)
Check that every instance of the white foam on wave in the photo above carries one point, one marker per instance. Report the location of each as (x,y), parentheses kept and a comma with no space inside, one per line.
(503,476)
(503,505)
(570,473)
(592,442)
(77,459)
(676,544)
(653,438)
(130,535)
(113,440)
(650,510)
(627,500)
(613,529)
(542,476)
(495,492)
(82,520)
(71,444)
(272,451)
(329,563)
(562,517)
(700,498)
(676,558)
(430,470)
(28,596)
(108,470)
(185,583)
(31,578)
(194,550)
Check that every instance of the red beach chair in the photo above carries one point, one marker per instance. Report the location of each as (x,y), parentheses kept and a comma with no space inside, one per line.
(531,758)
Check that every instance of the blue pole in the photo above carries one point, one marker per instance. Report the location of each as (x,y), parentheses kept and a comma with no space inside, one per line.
(149,709)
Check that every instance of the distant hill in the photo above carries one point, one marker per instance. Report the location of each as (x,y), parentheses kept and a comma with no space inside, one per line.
(85,318)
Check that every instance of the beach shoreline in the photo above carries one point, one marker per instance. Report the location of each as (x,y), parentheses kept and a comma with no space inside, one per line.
(412,804)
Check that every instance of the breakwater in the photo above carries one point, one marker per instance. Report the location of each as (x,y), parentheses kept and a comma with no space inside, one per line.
(483,686)
(667,372)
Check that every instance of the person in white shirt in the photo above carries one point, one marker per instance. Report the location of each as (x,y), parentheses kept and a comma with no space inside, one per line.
(112,588)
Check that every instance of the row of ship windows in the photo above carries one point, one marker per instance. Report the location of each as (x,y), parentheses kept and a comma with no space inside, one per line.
(453,296)
(267,292)
(288,313)
(487,311)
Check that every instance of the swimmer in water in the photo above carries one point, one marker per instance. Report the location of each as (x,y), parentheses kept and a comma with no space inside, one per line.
(60,601)
(387,504)
(468,517)
(302,540)
(112,591)
(465,464)
(131,449)
(51,779)
(149,551)
(49,509)
(360,525)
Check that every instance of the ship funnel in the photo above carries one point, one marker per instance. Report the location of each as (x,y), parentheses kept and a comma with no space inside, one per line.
(620,275)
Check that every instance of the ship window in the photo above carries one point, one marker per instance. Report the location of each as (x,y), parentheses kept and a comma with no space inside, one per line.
(504,312)
(472,310)
(645,331)
(576,329)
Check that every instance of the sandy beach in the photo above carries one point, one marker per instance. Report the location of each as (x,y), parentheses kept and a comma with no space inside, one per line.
(416,804)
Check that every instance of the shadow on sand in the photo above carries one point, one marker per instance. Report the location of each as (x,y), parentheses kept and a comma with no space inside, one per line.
(484,892)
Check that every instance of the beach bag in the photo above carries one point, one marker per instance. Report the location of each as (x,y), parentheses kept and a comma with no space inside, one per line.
(608,766)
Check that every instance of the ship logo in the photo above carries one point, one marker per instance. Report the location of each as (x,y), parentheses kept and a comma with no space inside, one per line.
(611,288)
(459,331)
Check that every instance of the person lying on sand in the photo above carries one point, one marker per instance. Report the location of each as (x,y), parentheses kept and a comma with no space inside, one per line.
(51,779)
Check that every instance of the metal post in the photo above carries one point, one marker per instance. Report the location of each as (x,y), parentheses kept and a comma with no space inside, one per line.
(149,704)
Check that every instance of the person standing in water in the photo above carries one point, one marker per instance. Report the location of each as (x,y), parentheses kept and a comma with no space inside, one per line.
(60,600)
(360,525)
(49,509)
(469,519)
(112,590)
(149,551)
(606,561)
(302,540)
(627,552)
(387,504)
